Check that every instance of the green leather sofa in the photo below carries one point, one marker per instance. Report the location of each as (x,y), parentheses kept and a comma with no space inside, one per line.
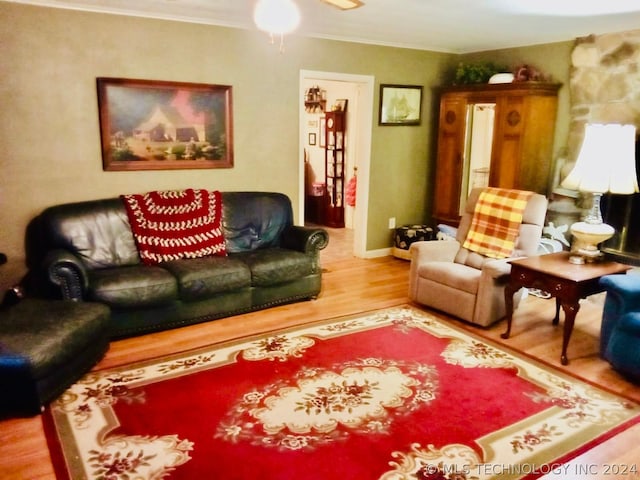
(86,251)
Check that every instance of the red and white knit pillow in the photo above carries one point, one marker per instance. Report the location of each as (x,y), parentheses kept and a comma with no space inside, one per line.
(173,224)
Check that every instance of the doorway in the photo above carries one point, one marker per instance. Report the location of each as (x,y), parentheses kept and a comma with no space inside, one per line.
(360,121)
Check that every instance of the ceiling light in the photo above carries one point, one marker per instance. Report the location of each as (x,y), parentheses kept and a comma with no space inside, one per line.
(276,17)
(344,4)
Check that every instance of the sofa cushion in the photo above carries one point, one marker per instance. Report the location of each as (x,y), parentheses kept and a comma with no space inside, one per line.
(471,259)
(455,275)
(132,286)
(97,231)
(271,266)
(199,278)
(255,220)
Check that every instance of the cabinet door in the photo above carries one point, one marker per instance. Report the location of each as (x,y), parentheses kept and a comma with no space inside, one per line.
(536,156)
(451,137)
(507,142)
(523,142)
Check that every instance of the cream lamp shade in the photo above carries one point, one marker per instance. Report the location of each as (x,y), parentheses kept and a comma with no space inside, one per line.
(606,164)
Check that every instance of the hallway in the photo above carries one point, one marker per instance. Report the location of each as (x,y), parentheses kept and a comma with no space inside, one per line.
(340,244)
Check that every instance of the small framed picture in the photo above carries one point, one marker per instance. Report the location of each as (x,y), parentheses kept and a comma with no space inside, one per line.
(312,139)
(341,104)
(400,104)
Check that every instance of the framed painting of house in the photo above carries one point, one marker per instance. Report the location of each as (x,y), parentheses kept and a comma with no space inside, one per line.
(160,125)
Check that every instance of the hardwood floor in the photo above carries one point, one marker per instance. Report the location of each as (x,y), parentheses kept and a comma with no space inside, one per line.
(340,244)
(350,286)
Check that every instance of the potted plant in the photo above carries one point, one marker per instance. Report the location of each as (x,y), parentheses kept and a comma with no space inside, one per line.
(468,73)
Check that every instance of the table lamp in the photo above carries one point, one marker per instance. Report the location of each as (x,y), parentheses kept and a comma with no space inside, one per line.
(606,164)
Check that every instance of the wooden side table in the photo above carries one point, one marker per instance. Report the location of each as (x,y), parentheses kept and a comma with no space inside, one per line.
(565,281)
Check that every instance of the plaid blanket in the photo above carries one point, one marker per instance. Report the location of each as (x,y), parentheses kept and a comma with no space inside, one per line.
(496,222)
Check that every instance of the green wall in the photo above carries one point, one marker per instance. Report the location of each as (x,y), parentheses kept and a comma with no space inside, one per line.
(51,58)
(50,135)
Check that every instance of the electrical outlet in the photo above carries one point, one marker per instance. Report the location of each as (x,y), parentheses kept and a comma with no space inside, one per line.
(392,222)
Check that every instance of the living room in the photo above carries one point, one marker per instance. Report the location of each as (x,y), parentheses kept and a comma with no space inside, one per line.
(52,58)
(65,51)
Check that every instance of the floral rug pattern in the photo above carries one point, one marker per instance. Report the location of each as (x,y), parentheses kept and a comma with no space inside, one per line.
(395,381)
(319,406)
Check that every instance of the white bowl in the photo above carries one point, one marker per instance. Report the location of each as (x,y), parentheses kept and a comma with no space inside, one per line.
(502,78)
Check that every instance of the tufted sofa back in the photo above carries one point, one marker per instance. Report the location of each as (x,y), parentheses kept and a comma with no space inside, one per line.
(98,231)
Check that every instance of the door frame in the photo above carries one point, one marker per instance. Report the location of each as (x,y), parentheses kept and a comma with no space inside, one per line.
(364,119)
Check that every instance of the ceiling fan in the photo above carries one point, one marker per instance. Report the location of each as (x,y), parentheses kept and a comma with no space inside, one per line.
(344,4)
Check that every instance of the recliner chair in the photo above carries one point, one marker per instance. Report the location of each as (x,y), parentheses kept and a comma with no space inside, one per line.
(465,284)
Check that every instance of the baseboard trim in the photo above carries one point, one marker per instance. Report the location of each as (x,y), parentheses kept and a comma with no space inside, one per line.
(382,252)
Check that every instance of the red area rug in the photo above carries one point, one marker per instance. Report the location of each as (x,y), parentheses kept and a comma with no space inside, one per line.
(393,394)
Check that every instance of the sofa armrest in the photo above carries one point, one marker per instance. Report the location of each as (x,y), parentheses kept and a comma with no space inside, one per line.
(499,268)
(66,271)
(429,251)
(434,251)
(630,324)
(305,239)
(624,290)
(623,295)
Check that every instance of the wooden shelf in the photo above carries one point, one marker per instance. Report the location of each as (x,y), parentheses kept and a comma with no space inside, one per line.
(335,128)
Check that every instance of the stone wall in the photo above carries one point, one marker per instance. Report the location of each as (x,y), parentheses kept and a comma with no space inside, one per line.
(604,88)
(605,83)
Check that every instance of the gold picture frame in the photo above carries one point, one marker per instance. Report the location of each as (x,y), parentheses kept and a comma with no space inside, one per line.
(161,125)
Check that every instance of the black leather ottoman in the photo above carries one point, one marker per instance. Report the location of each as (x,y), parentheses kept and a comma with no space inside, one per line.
(45,346)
